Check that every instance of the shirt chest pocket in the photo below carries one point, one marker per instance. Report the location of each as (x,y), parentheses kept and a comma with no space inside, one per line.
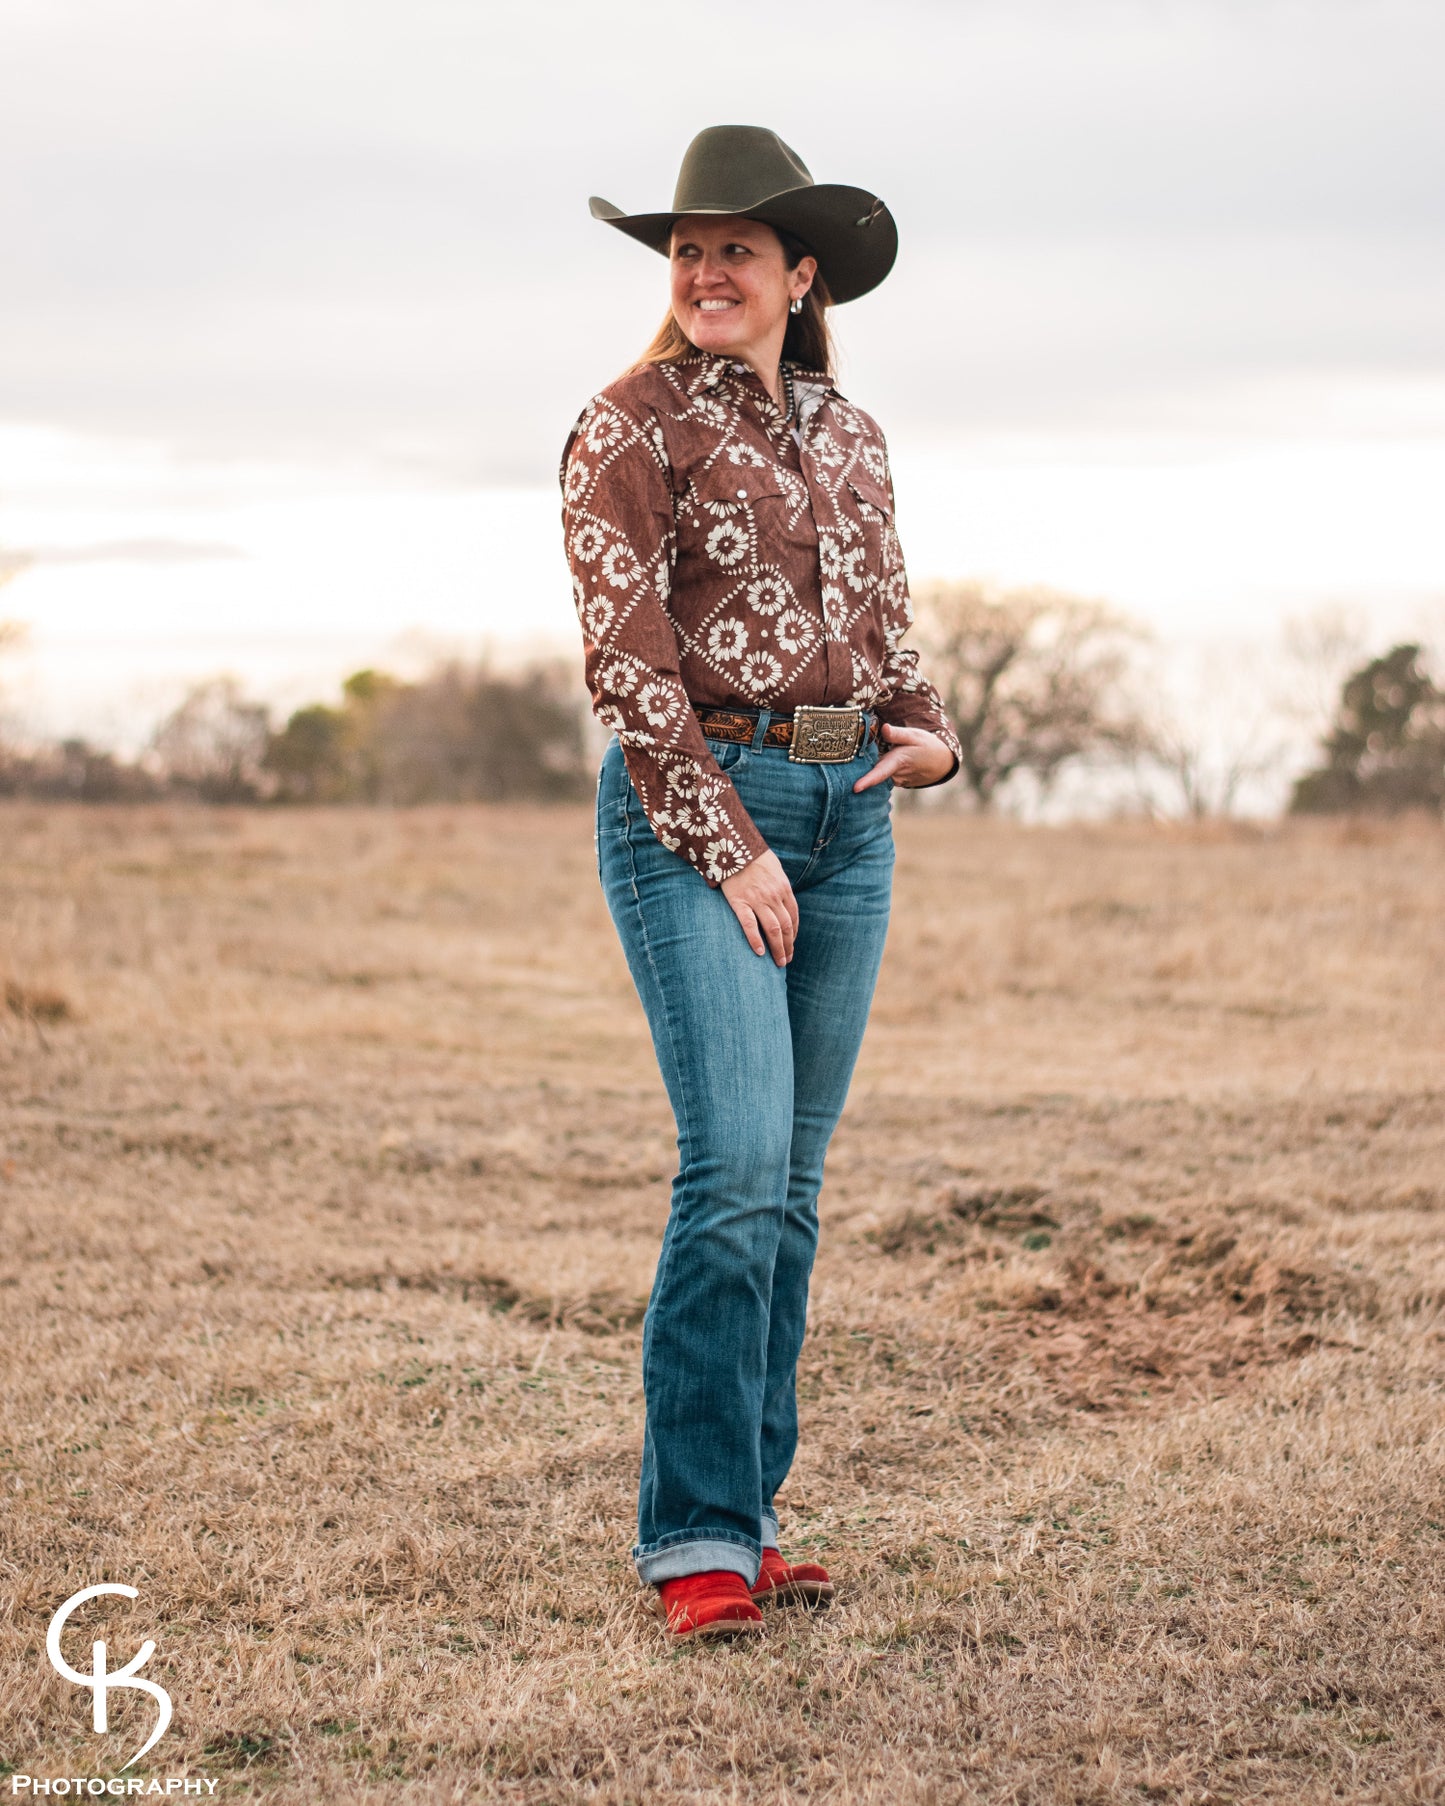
(738,518)
(869,498)
(868,552)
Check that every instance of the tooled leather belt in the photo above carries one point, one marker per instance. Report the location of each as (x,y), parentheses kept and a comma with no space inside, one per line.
(812,735)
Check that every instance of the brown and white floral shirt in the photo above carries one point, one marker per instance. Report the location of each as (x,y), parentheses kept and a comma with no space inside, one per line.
(721,559)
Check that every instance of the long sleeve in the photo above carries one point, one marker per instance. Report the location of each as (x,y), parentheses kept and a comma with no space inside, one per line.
(621,540)
(905,696)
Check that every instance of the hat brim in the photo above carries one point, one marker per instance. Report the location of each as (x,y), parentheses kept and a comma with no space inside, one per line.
(850,232)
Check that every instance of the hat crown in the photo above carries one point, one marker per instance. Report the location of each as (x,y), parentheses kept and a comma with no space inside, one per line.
(730,168)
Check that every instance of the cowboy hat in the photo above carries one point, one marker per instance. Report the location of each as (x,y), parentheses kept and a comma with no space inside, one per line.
(747,169)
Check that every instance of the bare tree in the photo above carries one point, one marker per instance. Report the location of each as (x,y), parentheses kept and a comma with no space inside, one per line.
(1209,772)
(474,734)
(1320,649)
(1211,727)
(214,743)
(1033,679)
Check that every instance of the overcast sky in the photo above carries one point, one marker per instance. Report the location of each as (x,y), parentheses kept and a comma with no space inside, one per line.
(360,226)
(351,237)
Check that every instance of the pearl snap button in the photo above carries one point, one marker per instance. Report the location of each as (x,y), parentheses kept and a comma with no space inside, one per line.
(742,495)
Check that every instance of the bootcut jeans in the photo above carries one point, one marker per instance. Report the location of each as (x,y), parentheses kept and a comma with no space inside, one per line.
(756,1058)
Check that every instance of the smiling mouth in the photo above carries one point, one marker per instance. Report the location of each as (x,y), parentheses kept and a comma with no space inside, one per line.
(713,307)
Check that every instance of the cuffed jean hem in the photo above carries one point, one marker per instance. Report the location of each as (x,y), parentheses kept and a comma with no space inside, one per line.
(698,1555)
(770,1531)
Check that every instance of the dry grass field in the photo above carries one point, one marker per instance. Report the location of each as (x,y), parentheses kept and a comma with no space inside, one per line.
(332,1167)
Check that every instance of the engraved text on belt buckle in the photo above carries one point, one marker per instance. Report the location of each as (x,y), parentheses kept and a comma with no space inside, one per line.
(825,736)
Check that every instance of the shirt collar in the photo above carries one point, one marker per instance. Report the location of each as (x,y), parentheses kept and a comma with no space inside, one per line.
(709,368)
(810,391)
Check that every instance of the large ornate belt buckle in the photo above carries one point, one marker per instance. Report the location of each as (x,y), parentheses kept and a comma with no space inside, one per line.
(825,736)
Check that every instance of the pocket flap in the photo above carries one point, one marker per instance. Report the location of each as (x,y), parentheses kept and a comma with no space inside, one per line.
(723,485)
(869,493)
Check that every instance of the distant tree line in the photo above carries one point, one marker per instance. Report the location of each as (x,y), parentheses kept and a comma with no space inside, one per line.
(462,734)
(1037,682)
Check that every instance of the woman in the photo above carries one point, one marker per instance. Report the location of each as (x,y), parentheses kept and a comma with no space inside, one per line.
(729,524)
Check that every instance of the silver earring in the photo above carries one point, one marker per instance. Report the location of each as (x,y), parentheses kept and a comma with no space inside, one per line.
(797,306)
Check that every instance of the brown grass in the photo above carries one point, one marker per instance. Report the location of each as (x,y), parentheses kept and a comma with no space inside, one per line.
(332,1174)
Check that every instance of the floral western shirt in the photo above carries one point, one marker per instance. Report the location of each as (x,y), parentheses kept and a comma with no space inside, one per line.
(722,558)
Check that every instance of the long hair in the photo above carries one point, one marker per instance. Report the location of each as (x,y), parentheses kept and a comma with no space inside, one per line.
(807,341)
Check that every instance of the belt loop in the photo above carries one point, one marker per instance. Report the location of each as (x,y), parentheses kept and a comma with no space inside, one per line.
(764,717)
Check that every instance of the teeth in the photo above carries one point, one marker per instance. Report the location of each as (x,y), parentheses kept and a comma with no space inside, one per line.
(715,306)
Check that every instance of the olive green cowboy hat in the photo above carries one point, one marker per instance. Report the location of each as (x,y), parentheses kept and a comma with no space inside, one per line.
(747,169)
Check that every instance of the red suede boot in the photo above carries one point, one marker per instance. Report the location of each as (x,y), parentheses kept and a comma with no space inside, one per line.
(791,1583)
(715,1604)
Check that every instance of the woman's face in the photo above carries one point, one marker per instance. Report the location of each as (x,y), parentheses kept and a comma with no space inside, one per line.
(731,286)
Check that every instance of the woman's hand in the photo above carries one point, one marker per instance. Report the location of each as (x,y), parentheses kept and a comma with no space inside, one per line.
(763,901)
(913,757)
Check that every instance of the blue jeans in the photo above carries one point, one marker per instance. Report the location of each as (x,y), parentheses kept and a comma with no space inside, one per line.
(756,1058)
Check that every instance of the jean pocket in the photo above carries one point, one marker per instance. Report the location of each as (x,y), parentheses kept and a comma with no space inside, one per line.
(729,754)
(613,785)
